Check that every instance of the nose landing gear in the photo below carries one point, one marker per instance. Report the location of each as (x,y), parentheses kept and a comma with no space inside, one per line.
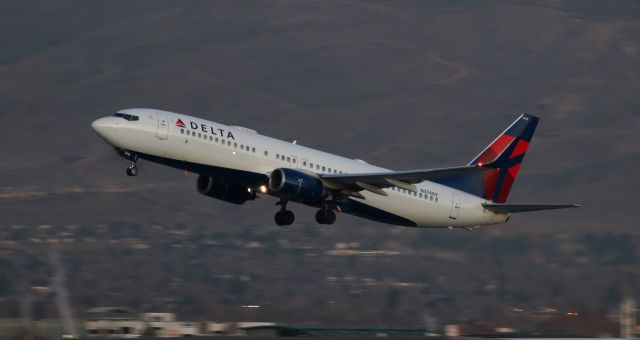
(132,170)
(284,216)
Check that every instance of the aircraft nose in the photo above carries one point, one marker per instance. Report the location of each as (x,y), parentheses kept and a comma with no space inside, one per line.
(103,126)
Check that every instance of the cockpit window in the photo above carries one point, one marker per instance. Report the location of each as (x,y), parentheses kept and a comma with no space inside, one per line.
(126,116)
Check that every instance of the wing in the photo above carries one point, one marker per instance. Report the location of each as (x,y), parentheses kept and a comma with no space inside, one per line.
(350,184)
(375,182)
(515,208)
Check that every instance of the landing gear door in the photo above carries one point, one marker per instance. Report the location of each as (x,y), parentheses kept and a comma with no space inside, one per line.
(163,127)
(455,206)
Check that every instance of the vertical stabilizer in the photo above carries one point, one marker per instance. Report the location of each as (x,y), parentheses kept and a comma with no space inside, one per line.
(503,158)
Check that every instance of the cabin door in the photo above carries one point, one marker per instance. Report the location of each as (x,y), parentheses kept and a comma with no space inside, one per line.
(163,127)
(455,206)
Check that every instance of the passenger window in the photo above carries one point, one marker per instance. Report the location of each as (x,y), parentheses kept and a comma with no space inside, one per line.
(235,145)
(182,131)
(266,153)
(253,150)
(241,146)
(415,194)
(294,161)
(436,198)
(277,156)
(311,165)
(210,138)
(317,167)
(216,139)
(420,195)
(228,143)
(288,159)
(323,168)
(430,198)
(329,170)
(335,171)
(199,135)
(304,163)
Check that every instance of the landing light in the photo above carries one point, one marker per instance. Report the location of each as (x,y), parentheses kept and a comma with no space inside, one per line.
(249,190)
(263,189)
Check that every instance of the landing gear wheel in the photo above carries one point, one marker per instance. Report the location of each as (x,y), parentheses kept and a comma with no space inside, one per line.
(325,216)
(329,217)
(279,219)
(284,217)
(132,170)
(289,216)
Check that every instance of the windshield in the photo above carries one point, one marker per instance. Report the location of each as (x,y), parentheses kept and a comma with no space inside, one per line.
(126,116)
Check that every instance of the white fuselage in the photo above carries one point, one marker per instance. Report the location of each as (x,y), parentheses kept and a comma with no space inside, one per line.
(159,134)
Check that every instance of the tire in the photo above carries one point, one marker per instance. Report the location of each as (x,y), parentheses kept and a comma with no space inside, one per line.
(132,171)
(320,217)
(329,217)
(289,217)
(279,218)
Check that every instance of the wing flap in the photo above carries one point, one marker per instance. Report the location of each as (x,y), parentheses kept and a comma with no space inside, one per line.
(516,208)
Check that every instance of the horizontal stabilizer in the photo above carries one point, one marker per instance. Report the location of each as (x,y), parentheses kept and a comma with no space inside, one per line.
(516,208)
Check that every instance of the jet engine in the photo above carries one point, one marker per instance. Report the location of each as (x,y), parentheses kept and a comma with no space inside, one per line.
(223,190)
(296,185)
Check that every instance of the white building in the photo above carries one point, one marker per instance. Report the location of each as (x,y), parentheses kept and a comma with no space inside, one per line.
(113,322)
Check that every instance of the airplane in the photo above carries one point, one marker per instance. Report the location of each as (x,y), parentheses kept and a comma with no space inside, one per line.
(236,164)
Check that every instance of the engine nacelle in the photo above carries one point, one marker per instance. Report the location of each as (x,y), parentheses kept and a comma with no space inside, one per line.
(296,185)
(224,191)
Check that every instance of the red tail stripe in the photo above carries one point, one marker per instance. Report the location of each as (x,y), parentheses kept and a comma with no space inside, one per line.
(495,149)
(512,172)
(520,149)
(490,179)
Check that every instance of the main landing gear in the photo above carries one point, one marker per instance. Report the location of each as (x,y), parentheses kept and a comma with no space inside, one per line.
(132,170)
(284,216)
